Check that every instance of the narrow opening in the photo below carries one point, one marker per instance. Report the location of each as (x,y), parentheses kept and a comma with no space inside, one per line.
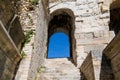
(59,46)
(62,21)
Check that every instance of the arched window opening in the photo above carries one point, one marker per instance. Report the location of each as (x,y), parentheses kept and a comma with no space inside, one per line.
(63,20)
(59,46)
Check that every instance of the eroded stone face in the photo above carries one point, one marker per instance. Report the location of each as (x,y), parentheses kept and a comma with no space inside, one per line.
(11,37)
(91,23)
(91,28)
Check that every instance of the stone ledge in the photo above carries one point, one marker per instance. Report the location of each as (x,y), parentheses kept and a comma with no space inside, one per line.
(92,41)
(7,44)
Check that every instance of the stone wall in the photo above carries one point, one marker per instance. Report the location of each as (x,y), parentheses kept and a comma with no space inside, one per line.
(91,67)
(106,71)
(10,20)
(86,69)
(112,53)
(10,46)
(40,42)
(9,55)
(91,24)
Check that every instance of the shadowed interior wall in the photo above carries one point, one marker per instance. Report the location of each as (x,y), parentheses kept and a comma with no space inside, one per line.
(106,69)
(11,37)
(115,16)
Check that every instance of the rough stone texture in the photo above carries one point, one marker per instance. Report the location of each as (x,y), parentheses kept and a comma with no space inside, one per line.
(88,27)
(91,28)
(87,69)
(6,12)
(40,41)
(63,20)
(106,69)
(91,24)
(16,30)
(91,66)
(93,21)
(10,40)
(112,53)
(36,49)
(22,73)
(9,55)
(11,21)
(59,69)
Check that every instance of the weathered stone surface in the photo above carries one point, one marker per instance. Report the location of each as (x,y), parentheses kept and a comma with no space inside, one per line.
(40,49)
(92,64)
(112,52)
(87,69)
(9,55)
(59,69)
(6,12)
(91,29)
(16,32)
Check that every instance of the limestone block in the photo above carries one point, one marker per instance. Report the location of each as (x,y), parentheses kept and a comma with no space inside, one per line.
(104,34)
(80,49)
(83,7)
(80,36)
(111,34)
(89,35)
(97,34)
(88,48)
(87,28)
(79,21)
(92,41)
(104,16)
(87,68)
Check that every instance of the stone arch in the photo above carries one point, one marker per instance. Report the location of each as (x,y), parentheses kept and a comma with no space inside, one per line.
(63,20)
(64,5)
(65,15)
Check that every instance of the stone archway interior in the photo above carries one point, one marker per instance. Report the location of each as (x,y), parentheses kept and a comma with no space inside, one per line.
(62,20)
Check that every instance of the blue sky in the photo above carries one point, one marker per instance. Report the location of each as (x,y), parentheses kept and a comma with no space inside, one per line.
(59,46)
